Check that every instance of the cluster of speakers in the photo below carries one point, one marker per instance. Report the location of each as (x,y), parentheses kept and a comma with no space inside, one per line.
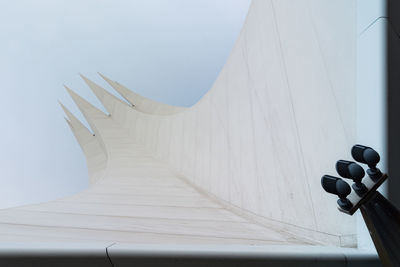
(353,171)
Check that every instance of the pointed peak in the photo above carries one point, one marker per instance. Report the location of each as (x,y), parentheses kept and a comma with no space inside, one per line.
(89,82)
(66,111)
(84,78)
(73,121)
(105,78)
(76,97)
(67,120)
(83,104)
(116,85)
(127,94)
(142,103)
(69,90)
(69,124)
(103,95)
(62,105)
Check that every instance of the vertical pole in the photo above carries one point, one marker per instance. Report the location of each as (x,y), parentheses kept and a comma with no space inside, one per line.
(383,222)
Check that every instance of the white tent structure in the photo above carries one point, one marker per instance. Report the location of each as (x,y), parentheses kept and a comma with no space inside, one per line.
(241,167)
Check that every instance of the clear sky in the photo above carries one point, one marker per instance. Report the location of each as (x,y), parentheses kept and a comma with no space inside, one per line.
(167,50)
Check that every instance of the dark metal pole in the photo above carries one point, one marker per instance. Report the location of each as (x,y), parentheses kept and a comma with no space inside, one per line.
(383,222)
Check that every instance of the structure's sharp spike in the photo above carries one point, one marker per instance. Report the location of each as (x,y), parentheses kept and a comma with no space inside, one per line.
(81,133)
(107,99)
(73,121)
(84,105)
(91,113)
(142,103)
(127,94)
(69,122)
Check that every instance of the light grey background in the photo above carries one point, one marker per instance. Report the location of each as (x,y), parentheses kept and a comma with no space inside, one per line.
(170,51)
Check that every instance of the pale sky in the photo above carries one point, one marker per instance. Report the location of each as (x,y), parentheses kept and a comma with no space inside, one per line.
(167,50)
